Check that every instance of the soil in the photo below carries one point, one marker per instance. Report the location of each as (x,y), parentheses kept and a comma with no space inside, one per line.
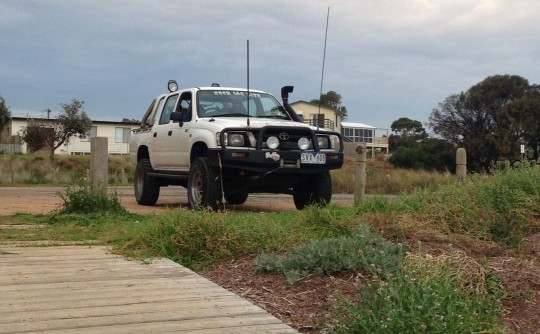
(307,306)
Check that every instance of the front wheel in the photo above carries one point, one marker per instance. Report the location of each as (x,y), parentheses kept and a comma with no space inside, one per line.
(316,191)
(204,187)
(146,186)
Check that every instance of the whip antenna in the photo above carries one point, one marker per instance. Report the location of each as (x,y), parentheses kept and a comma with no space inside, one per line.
(322,73)
(248,83)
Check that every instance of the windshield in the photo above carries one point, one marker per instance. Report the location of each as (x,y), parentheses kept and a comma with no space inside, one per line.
(233,103)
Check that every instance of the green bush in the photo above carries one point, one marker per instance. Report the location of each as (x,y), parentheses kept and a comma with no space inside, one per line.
(428,298)
(364,250)
(82,200)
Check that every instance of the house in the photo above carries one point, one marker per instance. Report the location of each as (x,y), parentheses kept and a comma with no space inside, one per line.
(117,133)
(322,116)
(374,138)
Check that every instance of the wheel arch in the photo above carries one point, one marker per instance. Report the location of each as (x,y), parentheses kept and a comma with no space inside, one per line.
(143,153)
(198,150)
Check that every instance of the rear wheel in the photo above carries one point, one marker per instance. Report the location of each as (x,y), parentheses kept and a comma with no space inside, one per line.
(146,186)
(316,191)
(204,188)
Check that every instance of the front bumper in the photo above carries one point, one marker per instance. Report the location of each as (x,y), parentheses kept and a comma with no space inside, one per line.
(279,162)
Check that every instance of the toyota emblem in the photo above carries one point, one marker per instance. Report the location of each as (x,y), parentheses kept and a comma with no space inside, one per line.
(284,136)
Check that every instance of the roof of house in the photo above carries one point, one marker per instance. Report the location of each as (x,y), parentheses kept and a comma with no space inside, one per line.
(93,121)
(314,105)
(356,125)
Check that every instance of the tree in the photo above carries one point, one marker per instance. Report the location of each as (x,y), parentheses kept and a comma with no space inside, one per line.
(5,114)
(333,100)
(35,134)
(476,119)
(71,121)
(407,133)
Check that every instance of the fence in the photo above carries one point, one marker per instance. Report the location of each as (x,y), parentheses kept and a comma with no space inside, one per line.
(11,148)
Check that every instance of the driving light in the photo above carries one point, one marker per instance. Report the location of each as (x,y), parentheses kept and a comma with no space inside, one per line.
(303,143)
(272,143)
(172,86)
(323,142)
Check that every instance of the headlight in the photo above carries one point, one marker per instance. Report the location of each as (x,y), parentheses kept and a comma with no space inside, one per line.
(272,143)
(323,142)
(303,143)
(234,139)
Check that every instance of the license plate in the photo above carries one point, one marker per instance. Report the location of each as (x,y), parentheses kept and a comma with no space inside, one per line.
(310,158)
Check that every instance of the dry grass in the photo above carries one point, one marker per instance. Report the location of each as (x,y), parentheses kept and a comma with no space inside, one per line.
(38,169)
(383,178)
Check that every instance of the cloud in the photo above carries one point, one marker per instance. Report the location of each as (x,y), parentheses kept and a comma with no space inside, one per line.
(387,58)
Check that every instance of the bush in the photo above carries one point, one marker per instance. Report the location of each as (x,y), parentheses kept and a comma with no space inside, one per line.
(82,200)
(430,295)
(364,250)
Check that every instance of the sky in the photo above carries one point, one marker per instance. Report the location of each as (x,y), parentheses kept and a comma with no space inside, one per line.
(387,58)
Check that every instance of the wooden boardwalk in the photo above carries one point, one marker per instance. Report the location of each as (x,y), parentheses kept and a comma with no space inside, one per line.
(78,289)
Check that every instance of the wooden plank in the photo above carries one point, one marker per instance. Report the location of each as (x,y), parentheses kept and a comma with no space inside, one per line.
(89,290)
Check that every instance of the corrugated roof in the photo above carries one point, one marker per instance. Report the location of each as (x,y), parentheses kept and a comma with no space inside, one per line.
(356,125)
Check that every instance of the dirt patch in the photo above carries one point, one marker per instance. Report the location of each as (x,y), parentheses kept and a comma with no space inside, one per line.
(43,200)
(307,306)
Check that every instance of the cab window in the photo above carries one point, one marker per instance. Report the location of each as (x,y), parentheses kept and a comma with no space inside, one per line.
(168,109)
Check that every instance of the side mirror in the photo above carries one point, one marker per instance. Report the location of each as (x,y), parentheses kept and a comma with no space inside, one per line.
(177,117)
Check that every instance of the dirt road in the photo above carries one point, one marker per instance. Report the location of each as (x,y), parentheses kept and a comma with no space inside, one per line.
(41,200)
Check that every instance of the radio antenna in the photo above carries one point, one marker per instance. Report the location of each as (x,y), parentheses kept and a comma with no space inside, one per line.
(322,73)
(248,83)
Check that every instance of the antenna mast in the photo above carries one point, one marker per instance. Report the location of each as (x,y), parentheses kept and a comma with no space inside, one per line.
(248,82)
(322,73)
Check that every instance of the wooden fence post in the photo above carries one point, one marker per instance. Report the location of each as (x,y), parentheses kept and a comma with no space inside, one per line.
(99,164)
(461,164)
(360,174)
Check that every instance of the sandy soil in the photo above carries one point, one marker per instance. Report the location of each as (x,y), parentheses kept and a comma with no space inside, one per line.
(41,200)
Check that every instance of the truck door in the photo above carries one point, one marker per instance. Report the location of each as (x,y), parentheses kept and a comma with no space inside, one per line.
(160,136)
(182,134)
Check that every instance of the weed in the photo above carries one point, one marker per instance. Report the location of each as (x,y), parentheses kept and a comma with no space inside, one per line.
(82,200)
(364,250)
(424,297)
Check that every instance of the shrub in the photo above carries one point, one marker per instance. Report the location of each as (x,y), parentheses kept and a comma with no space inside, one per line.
(430,295)
(364,250)
(82,200)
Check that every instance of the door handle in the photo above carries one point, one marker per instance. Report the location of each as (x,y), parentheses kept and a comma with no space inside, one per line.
(170,132)
(155,134)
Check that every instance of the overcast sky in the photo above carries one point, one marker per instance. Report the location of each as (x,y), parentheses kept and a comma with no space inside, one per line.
(387,58)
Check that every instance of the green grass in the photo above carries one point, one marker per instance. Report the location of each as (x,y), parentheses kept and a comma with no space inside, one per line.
(422,298)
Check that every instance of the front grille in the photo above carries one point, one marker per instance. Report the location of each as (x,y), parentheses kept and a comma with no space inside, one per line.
(288,137)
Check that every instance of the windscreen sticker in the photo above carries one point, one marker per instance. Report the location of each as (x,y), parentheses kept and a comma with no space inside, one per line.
(236,93)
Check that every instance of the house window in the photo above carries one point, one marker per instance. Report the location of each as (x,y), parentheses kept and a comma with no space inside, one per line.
(359,135)
(91,134)
(122,135)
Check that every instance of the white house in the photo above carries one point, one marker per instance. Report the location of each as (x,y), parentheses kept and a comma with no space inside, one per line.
(322,116)
(117,133)
(375,138)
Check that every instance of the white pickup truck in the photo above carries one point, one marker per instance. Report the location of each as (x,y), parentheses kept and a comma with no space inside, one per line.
(224,143)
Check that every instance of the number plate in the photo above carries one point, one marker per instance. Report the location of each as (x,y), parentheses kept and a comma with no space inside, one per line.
(310,158)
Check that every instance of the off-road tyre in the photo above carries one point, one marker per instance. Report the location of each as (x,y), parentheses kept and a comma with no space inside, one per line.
(204,186)
(316,191)
(146,187)
(236,198)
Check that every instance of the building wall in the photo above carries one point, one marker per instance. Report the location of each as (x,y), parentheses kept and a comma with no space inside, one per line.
(79,145)
(309,111)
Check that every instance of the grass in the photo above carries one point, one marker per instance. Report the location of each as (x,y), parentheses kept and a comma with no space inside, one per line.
(34,169)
